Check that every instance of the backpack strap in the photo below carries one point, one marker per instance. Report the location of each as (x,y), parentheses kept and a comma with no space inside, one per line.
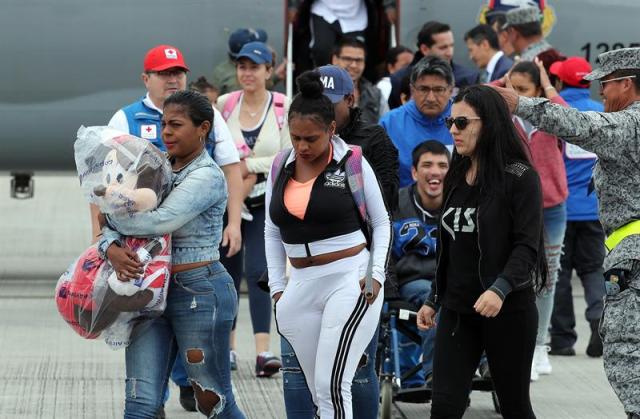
(278,164)
(278,108)
(231,103)
(353,170)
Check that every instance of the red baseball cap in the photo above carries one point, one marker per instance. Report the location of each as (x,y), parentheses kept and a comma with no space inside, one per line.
(571,71)
(162,57)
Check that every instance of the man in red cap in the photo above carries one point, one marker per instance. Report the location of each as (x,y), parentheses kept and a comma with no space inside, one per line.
(164,73)
(584,236)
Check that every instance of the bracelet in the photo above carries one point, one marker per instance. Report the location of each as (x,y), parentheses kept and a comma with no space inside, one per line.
(549,88)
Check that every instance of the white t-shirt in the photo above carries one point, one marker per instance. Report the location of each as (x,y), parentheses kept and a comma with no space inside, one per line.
(385,87)
(491,65)
(225,151)
(352,14)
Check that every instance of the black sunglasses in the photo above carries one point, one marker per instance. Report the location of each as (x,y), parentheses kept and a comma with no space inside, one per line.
(460,122)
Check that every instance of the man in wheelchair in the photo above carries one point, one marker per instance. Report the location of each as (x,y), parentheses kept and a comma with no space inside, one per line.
(413,260)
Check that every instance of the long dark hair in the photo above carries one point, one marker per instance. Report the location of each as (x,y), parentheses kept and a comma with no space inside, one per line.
(498,145)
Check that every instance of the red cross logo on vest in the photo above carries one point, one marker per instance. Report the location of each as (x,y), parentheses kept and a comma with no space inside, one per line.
(148,132)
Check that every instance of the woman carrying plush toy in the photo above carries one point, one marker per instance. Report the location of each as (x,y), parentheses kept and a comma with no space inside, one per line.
(200,288)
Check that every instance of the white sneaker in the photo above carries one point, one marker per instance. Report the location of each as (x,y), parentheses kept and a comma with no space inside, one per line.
(245,214)
(541,360)
(534,373)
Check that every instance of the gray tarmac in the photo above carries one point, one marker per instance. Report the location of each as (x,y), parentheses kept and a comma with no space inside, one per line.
(47,371)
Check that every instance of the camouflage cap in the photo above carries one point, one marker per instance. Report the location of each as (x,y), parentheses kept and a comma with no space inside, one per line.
(522,15)
(619,59)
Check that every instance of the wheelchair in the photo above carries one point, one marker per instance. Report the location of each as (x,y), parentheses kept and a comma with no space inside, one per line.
(395,319)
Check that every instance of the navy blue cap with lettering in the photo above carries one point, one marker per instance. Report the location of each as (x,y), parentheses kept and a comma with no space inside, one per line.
(336,81)
(258,52)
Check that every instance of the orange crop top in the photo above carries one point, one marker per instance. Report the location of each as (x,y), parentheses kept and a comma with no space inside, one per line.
(297,194)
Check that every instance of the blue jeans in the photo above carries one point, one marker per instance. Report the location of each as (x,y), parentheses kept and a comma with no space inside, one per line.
(259,301)
(201,305)
(250,262)
(416,292)
(555,224)
(298,403)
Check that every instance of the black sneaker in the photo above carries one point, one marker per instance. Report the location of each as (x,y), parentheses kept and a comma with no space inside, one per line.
(568,351)
(485,374)
(187,398)
(267,364)
(594,349)
(233,360)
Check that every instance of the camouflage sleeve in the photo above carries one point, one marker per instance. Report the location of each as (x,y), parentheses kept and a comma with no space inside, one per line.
(601,133)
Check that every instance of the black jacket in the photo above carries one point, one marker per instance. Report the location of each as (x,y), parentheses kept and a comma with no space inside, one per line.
(379,151)
(382,155)
(370,103)
(509,237)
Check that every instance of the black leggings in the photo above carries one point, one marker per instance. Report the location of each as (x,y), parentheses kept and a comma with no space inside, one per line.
(508,339)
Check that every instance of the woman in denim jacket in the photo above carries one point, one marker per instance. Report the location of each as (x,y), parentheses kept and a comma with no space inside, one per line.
(200,291)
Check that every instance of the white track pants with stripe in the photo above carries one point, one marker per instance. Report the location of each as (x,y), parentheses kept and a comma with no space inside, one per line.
(325,318)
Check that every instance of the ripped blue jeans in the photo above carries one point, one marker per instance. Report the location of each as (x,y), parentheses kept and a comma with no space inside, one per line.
(555,224)
(201,305)
(365,389)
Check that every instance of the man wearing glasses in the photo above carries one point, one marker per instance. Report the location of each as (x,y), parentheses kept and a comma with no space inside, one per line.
(614,136)
(423,117)
(350,54)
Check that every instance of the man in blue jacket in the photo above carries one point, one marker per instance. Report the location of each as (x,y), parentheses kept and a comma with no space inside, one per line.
(584,238)
(423,117)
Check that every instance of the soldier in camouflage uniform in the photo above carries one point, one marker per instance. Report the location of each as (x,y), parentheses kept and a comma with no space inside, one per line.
(524,27)
(614,135)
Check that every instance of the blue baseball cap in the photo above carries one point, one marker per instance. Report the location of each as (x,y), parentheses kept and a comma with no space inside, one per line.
(258,52)
(240,37)
(337,82)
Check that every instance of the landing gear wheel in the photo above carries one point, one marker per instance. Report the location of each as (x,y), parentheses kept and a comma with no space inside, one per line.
(496,402)
(386,397)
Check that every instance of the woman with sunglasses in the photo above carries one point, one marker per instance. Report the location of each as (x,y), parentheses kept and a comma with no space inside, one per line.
(530,79)
(490,259)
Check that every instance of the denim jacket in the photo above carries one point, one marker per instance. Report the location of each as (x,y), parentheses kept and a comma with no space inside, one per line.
(191,213)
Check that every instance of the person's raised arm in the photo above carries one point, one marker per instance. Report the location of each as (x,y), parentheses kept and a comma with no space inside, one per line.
(598,132)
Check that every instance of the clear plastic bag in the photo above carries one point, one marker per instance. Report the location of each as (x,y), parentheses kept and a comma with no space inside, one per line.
(122,175)
(95,303)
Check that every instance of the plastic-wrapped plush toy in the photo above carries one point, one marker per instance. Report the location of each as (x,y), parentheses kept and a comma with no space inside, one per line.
(122,174)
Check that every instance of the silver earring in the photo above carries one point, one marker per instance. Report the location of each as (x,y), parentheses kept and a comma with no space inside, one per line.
(202,140)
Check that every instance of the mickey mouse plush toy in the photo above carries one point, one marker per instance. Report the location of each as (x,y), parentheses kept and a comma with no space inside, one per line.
(121,174)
